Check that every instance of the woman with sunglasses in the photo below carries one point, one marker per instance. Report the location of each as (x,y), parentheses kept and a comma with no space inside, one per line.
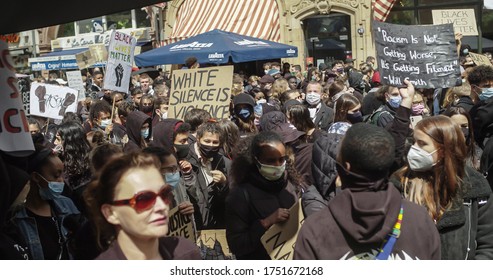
(262,192)
(130,205)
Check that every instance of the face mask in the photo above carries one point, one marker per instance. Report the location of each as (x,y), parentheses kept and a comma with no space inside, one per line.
(465,131)
(105,123)
(244,114)
(419,159)
(164,115)
(340,70)
(172,179)
(58,149)
(54,189)
(418,109)
(271,172)
(181,151)
(37,137)
(260,101)
(208,151)
(146,109)
(486,93)
(144,133)
(266,71)
(465,51)
(356,117)
(395,101)
(313,98)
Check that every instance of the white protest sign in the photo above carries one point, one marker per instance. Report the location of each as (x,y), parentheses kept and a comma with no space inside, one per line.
(464,20)
(52,101)
(74,79)
(85,59)
(14,130)
(203,88)
(181,225)
(479,59)
(279,239)
(120,61)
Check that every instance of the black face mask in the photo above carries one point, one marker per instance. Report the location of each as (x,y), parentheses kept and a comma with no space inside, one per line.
(355,117)
(181,151)
(208,151)
(146,109)
(37,138)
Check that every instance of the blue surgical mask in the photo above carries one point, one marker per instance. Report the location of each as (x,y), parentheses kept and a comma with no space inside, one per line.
(395,101)
(105,123)
(244,114)
(54,189)
(172,179)
(144,133)
(486,93)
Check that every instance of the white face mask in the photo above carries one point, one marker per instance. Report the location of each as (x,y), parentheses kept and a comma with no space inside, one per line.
(271,172)
(164,115)
(419,159)
(313,98)
(105,123)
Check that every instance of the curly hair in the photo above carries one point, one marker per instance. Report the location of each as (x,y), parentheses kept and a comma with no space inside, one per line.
(480,74)
(76,148)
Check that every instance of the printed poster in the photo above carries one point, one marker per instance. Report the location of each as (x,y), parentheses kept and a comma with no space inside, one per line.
(120,61)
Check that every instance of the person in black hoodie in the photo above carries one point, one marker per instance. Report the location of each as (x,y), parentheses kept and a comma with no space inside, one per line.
(369,209)
(139,131)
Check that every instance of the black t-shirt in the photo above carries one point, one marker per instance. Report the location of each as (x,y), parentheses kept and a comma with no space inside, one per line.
(50,236)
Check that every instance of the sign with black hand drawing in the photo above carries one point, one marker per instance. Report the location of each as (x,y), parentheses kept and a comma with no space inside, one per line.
(14,129)
(52,101)
(426,54)
(120,61)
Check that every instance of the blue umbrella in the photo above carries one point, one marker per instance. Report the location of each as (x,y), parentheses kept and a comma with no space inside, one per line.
(216,47)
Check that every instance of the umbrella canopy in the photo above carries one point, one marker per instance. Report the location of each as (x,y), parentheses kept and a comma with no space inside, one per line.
(216,47)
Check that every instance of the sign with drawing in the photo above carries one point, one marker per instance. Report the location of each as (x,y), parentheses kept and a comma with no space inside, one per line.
(52,101)
(120,61)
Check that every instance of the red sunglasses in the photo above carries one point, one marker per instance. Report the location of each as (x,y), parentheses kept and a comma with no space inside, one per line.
(144,200)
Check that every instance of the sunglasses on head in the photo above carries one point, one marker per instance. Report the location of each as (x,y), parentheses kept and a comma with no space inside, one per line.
(144,200)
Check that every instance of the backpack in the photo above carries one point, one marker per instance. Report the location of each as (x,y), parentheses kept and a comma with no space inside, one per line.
(375,115)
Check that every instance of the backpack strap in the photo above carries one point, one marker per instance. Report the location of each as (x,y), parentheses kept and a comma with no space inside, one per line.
(389,243)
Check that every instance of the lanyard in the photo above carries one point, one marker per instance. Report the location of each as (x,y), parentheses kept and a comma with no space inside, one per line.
(391,239)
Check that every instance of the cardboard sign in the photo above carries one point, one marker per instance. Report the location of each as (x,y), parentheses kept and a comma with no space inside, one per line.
(52,101)
(85,59)
(181,225)
(74,79)
(99,53)
(279,240)
(120,61)
(425,54)
(215,243)
(14,130)
(464,20)
(202,88)
(480,59)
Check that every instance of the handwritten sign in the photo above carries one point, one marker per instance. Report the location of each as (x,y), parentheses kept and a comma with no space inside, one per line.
(181,225)
(279,240)
(74,79)
(480,59)
(202,88)
(464,20)
(52,101)
(14,130)
(99,53)
(214,243)
(425,54)
(85,59)
(120,61)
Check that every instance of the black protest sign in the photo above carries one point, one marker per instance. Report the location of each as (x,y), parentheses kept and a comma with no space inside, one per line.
(426,54)
(202,88)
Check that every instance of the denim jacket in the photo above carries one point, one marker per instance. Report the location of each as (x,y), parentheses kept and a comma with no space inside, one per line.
(63,207)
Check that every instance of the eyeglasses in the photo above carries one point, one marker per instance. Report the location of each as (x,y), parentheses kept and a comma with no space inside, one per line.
(144,200)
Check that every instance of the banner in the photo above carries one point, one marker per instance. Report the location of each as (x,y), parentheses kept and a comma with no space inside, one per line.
(479,59)
(279,239)
(14,130)
(52,101)
(426,54)
(181,225)
(85,59)
(202,88)
(213,245)
(74,79)
(464,20)
(120,61)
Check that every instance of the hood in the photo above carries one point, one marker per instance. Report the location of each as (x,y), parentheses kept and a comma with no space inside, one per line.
(135,120)
(163,133)
(367,216)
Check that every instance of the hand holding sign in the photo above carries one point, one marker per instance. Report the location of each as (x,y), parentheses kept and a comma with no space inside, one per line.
(69,100)
(40,93)
(186,208)
(280,215)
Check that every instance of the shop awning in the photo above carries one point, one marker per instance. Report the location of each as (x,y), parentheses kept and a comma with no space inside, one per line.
(255,18)
(58,60)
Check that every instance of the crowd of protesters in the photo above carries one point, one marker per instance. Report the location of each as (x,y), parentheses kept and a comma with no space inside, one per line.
(373,183)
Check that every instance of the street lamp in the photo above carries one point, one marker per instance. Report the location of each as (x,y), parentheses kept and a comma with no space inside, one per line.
(314,40)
